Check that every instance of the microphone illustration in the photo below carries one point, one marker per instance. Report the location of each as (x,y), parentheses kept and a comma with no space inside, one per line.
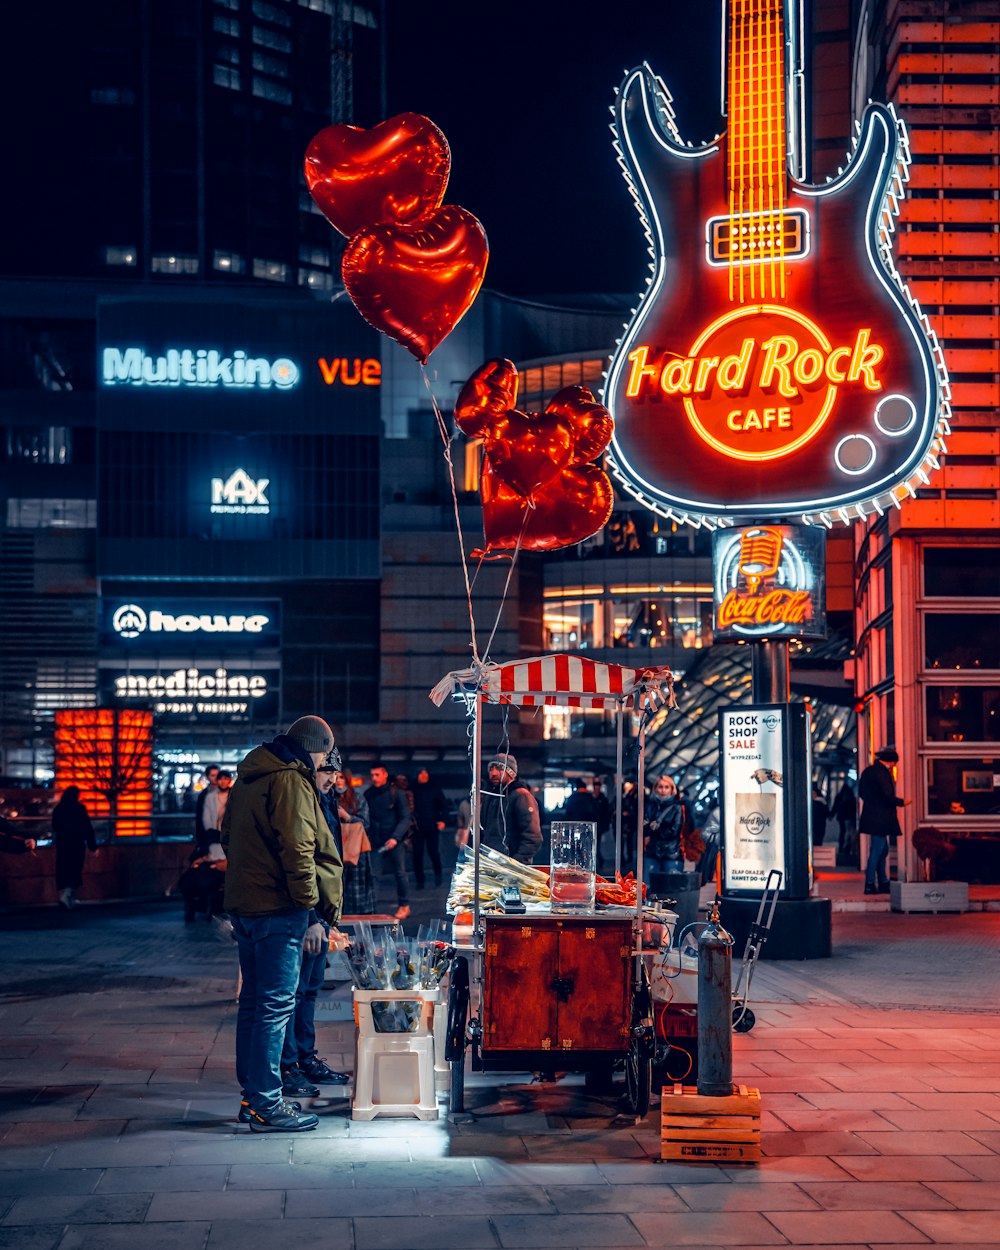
(760,555)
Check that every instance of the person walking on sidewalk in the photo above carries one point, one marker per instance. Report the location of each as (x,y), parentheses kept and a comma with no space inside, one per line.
(879,817)
(390,816)
(74,837)
(430,815)
(284,879)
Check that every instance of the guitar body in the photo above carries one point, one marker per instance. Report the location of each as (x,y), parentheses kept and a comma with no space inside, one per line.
(799,382)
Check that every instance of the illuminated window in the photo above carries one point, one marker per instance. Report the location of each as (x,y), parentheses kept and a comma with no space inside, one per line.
(227,262)
(120,255)
(271,39)
(109,755)
(76,514)
(963,713)
(274,65)
(112,96)
(271,13)
(225,25)
(225,76)
(52,444)
(473,464)
(272,270)
(308,205)
(264,89)
(175,264)
(618,618)
(316,280)
(312,255)
(228,54)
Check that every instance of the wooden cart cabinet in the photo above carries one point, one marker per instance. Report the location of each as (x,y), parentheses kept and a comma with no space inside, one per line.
(557,983)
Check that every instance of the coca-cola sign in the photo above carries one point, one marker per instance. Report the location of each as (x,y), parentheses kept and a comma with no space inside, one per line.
(769,582)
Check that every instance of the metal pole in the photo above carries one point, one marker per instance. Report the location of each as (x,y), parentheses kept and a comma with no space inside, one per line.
(477,764)
(620,782)
(769,671)
(640,812)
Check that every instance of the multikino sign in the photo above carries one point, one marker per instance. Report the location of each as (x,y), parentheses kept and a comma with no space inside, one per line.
(197,367)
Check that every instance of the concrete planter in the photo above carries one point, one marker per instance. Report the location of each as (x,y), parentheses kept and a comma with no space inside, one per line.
(930,896)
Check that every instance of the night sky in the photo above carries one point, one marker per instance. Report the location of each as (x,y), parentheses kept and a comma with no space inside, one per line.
(522,92)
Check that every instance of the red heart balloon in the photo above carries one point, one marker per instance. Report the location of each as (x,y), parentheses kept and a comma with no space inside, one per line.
(487,397)
(591,421)
(571,507)
(528,449)
(416,282)
(396,171)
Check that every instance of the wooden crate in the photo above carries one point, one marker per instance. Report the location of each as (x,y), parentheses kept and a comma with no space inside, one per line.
(698,1128)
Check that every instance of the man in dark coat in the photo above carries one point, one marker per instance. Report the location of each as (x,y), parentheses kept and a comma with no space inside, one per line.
(581,804)
(74,836)
(430,816)
(879,816)
(510,817)
(390,816)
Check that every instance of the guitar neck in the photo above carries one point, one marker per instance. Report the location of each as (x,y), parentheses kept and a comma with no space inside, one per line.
(757,144)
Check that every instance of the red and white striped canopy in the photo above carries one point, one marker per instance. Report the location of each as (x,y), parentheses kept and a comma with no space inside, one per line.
(563,681)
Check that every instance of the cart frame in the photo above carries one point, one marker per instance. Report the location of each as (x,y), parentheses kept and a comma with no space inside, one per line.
(562,680)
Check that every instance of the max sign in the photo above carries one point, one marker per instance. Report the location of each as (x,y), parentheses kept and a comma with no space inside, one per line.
(769,582)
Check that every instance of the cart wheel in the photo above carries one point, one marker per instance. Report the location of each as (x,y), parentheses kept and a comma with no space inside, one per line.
(638,1076)
(743,1020)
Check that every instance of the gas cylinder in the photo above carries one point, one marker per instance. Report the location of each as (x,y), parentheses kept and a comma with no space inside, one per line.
(715,1009)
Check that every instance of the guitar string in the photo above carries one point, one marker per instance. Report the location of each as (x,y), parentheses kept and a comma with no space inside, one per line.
(780,128)
(753,82)
(731,149)
(740,106)
(773,222)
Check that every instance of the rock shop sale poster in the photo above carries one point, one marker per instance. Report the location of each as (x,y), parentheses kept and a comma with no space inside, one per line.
(753,808)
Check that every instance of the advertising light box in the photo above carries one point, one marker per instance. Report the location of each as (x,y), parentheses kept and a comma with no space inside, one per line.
(180,626)
(236,691)
(769,581)
(752,760)
(776,365)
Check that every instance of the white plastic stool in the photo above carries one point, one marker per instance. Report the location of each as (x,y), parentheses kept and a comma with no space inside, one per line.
(394,1072)
(442,1068)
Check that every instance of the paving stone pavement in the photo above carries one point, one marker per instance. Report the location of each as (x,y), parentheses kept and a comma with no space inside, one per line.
(879,1069)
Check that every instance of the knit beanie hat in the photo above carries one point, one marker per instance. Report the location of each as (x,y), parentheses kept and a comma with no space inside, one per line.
(505,762)
(312,733)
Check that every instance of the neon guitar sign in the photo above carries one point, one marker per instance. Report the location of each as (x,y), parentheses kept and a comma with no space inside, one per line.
(776,365)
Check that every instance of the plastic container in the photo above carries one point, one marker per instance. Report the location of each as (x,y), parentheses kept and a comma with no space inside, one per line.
(573,866)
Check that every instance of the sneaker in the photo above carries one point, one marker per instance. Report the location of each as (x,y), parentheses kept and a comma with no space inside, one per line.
(244,1115)
(318,1070)
(295,1084)
(871,889)
(284,1119)
(402,911)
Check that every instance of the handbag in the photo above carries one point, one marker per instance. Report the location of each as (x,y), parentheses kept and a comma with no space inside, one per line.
(354,840)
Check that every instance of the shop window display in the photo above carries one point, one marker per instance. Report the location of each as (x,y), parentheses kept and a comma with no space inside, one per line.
(963,713)
(966,786)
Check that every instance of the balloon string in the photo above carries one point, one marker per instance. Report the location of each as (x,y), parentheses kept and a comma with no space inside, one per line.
(446,441)
(510,574)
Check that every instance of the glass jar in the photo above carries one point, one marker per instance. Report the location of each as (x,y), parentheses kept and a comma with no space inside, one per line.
(573,863)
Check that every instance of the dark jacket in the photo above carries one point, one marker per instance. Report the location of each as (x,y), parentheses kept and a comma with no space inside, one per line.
(10,841)
(664,820)
(510,820)
(389,814)
(280,850)
(877,792)
(581,805)
(429,805)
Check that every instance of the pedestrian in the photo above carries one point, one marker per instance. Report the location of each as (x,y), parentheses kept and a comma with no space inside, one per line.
(581,804)
(463,823)
(430,816)
(74,837)
(211,778)
(284,880)
(359,880)
(391,818)
(820,812)
(663,823)
(879,817)
(11,842)
(509,811)
(214,806)
(202,884)
(302,1069)
(845,812)
(629,824)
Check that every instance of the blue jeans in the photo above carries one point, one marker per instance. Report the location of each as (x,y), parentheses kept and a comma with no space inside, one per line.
(270,959)
(878,853)
(300,1036)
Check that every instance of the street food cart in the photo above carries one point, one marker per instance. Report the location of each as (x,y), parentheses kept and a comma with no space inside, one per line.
(551,991)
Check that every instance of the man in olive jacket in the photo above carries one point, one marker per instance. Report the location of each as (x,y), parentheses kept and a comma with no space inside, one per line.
(283,878)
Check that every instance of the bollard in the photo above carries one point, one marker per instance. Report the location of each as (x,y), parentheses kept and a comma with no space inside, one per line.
(715,1009)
